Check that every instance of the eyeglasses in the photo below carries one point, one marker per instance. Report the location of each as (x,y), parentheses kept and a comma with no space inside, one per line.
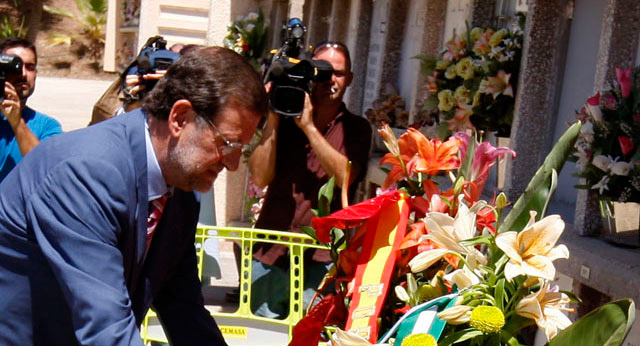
(229,146)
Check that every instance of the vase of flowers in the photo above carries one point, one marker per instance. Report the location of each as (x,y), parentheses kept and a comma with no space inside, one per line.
(472,83)
(247,36)
(389,109)
(607,156)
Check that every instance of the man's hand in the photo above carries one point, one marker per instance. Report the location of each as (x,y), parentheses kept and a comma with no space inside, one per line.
(11,107)
(305,120)
(134,82)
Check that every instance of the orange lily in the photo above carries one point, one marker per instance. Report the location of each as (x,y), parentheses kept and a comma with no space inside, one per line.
(401,161)
(435,156)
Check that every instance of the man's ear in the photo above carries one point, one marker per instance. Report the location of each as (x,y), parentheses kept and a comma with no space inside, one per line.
(349,78)
(180,115)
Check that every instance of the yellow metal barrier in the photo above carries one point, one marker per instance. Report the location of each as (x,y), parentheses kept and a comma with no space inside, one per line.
(242,327)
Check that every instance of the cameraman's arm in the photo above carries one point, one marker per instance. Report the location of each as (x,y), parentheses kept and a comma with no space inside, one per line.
(332,161)
(262,163)
(12,110)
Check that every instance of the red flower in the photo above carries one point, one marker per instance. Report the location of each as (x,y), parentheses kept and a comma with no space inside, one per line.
(626,145)
(624,79)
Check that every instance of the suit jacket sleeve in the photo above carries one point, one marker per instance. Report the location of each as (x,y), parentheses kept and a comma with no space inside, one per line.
(78,213)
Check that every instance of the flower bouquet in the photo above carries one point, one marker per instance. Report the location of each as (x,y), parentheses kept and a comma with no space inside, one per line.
(428,262)
(247,36)
(471,84)
(607,155)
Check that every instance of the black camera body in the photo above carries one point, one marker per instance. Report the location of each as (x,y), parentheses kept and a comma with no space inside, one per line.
(153,56)
(10,66)
(292,72)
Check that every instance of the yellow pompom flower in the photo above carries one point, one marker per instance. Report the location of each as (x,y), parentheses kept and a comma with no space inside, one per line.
(487,319)
(419,340)
(428,292)
(465,69)
(446,100)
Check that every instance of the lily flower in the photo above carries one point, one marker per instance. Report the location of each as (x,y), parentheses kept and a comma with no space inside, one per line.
(462,277)
(389,139)
(604,162)
(432,85)
(532,251)
(461,118)
(482,44)
(621,168)
(455,48)
(545,307)
(458,314)
(434,155)
(498,84)
(601,185)
(593,107)
(624,79)
(426,259)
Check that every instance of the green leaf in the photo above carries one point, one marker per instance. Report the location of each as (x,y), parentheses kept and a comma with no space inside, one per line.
(465,169)
(482,239)
(460,336)
(309,231)
(607,326)
(325,196)
(541,187)
(498,293)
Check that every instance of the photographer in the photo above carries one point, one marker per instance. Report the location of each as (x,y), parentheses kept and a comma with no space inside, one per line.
(21,128)
(295,157)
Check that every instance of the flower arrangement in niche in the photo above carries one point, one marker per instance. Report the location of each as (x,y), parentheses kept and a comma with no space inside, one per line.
(247,36)
(607,155)
(389,109)
(430,263)
(472,83)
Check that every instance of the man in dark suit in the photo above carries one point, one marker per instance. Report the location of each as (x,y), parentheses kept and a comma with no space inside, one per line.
(82,255)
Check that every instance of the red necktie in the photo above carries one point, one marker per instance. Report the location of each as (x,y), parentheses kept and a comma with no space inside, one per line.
(155,213)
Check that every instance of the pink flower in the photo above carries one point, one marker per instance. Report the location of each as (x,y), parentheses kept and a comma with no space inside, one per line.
(609,101)
(455,48)
(593,107)
(624,79)
(626,145)
(483,159)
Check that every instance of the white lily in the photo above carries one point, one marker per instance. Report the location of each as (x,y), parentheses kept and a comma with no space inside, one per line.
(545,307)
(448,232)
(462,277)
(458,314)
(621,168)
(601,185)
(426,259)
(532,251)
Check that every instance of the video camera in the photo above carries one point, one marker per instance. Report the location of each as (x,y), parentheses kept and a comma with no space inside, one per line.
(153,56)
(10,65)
(293,72)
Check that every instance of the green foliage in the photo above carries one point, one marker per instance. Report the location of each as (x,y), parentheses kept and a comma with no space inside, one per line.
(8,29)
(247,36)
(541,187)
(92,19)
(607,326)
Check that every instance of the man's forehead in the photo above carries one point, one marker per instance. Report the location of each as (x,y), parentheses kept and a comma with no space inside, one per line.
(26,54)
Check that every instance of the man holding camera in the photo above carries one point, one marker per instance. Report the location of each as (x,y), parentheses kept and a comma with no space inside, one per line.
(295,157)
(97,225)
(21,128)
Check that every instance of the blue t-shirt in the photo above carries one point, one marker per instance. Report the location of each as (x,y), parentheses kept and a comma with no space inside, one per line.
(42,127)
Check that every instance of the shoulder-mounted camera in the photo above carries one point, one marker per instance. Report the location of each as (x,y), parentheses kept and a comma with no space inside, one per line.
(292,71)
